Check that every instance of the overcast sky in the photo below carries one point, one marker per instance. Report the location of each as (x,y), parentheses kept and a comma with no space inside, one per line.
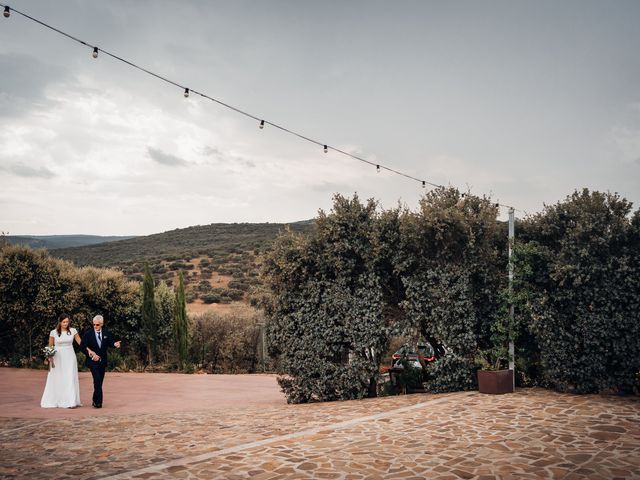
(525,101)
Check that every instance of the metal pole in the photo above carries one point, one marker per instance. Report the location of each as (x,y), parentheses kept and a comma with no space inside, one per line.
(511,308)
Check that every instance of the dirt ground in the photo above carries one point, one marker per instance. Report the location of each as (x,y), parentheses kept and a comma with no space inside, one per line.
(130,393)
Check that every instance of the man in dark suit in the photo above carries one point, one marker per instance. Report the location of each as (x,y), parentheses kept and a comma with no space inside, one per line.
(95,343)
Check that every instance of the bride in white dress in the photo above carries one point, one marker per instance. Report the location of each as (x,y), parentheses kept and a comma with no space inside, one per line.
(62,389)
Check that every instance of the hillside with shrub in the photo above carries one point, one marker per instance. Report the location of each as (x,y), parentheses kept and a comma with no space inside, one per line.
(220,261)
(36,287)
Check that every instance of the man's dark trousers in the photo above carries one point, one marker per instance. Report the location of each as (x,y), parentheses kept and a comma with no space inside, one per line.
(97,372)
(98,368)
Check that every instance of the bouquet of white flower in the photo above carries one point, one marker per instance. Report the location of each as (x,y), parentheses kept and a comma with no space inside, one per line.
(48,352)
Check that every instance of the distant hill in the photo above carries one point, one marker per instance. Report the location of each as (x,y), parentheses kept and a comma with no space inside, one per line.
(220,261)
(214,240)
(51,242)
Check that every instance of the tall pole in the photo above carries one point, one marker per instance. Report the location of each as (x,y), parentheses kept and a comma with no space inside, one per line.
(511,308)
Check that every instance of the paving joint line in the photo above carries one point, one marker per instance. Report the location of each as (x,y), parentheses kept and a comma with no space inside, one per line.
(289,436)
(6,432)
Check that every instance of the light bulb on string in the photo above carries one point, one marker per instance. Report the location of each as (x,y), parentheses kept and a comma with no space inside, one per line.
(261,124)
(326,149)
(186,93)
(95,52)
(378,168)
(7,11)
(424,184)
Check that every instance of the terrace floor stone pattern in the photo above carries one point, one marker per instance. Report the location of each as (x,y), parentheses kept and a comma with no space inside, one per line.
(533,433)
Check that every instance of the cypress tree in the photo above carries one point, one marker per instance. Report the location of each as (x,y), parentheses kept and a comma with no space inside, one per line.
(181,323)
(149,313)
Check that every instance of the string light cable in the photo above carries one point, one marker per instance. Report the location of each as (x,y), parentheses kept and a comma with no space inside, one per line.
(7,10)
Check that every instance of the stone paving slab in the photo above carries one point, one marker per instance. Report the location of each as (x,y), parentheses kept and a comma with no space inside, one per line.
(533,433)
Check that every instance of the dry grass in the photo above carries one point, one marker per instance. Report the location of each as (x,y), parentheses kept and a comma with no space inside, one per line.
(199,306)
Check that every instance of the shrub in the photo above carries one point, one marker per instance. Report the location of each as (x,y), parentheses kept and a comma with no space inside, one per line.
(226,342)
(581,267)
(211,298)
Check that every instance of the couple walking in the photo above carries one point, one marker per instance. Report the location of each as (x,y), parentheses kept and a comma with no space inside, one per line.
(63,389)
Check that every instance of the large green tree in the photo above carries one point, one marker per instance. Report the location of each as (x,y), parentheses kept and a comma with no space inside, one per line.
(181,323)
(452,262)
(164,345)
(583,272)
(327,318)
(34,290)
(149,330)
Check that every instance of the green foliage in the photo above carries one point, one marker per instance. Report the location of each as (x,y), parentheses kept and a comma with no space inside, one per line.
(163,341)
(451,373)
(228,249)
(149,325)
(583,273)
(181,323)
(226,342)
(452,268)
(212,297)
(326,319)
(35,288)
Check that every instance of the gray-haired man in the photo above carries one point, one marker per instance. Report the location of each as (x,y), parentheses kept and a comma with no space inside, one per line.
(95,343)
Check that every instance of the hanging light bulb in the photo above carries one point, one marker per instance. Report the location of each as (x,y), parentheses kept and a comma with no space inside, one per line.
(424,184)
(7,11)
(497,205)
(186,93)
(326,149)
(378,168)
(95,52)
(261,123)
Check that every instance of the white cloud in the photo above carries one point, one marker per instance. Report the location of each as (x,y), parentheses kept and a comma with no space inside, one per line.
(87,145)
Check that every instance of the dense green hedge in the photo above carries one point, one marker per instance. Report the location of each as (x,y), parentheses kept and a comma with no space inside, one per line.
(327,321)
(582,276)
(337,297)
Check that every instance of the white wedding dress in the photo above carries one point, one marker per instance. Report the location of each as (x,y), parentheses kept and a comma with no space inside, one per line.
(62,389)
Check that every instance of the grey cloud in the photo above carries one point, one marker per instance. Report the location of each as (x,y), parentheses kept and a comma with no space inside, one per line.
(27,171)
(222,158)
(210,151)
(24,82)
(166,158)
(245,162)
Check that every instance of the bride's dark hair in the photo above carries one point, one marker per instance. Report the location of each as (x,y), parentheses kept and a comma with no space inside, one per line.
(61,317)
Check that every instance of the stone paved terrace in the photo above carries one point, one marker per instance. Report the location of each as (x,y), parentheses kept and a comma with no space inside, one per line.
(533,433)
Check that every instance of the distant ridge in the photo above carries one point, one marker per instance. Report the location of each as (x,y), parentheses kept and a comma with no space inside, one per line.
(51,242)
(216,239)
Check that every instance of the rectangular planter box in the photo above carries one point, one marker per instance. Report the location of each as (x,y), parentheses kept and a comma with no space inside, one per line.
(495,381)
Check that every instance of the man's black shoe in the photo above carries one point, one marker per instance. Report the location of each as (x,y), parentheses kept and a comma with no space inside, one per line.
(95,405)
